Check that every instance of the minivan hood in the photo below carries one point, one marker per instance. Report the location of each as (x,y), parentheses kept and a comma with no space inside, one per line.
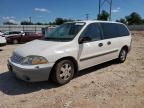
(38,47)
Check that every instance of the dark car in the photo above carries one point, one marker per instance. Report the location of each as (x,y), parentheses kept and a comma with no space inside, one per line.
(23,37)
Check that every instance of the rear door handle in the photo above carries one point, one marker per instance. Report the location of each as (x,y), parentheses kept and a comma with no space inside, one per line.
(100,44)
(109,43)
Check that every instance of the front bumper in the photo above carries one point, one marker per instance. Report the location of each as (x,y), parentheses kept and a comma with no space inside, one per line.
(30,73)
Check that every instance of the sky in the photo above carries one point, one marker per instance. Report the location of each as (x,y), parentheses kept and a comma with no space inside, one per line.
(47,10)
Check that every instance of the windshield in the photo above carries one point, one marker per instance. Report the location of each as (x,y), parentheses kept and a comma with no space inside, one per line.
(65,32)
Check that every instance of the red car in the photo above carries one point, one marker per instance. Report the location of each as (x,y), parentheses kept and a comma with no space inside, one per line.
(23,37)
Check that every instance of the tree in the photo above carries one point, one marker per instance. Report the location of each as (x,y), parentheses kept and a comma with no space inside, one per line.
(39,23)
(134,18)
(143,21)
(8,23)
(59,21)
(103,16)
(50,23)
(26,23)
(122,20)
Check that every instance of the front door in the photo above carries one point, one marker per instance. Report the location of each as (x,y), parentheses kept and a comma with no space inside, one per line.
(91,52)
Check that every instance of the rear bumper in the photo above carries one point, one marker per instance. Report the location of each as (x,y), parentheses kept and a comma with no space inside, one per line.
(30,73)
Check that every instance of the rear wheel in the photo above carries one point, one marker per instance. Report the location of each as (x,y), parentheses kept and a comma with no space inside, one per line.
(63,72)
(122,55)
(15,41)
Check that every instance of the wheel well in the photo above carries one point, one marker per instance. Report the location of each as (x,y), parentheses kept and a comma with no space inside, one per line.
(67,58)
(125,47)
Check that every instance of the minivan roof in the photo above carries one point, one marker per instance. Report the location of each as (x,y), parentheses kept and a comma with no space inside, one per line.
(94,21)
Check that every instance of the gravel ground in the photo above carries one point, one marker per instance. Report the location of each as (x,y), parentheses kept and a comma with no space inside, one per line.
(109,85)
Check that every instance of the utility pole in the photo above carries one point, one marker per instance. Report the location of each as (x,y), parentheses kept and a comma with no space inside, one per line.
(99,7)
(110,10)
(101,3)
(30,19)
(87,16)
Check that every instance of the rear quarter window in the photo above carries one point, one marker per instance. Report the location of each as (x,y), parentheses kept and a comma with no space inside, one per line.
(113,30)
(123,31)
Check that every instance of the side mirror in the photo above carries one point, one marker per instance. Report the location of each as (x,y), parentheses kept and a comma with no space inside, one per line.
(84,39)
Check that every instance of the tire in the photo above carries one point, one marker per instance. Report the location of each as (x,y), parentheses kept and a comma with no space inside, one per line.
(123,55)
(15,41)
(63,72)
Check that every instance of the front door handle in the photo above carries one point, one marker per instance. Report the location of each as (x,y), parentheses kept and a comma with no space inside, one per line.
(100,44)
(109,43)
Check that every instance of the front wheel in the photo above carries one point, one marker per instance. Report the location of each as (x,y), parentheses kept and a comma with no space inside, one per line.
(122,55)
(63,72)
(15,41)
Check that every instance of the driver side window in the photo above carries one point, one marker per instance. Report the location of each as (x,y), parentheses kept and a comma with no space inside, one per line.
(92,32)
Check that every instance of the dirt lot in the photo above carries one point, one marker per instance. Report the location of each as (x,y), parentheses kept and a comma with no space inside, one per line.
(109,85)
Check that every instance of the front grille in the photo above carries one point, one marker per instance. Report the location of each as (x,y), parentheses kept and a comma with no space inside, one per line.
(16,58)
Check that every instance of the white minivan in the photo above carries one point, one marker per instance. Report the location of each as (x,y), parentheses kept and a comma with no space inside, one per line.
(69,48)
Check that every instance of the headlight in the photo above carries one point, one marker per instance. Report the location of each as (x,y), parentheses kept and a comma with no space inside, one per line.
(33,60)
